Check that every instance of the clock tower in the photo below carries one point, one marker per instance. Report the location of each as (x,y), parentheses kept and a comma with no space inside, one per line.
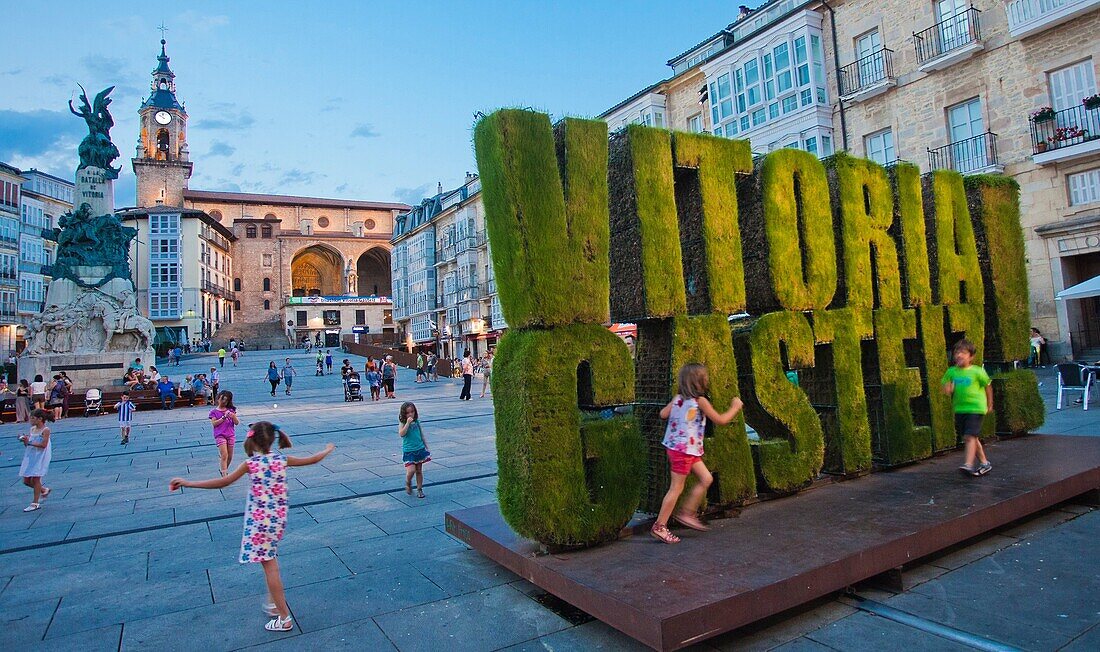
(162,163)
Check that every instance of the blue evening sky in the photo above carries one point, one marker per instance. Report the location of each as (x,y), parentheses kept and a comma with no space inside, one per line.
(363,100)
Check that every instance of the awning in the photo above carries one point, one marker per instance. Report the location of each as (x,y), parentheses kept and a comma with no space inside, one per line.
(1090,288)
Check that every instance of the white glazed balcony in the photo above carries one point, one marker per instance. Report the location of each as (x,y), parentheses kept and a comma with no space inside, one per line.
(1027,17)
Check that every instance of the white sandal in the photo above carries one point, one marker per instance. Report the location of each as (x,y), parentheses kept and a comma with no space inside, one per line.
(45,492)
(32,507)
(270,609)
(279,624)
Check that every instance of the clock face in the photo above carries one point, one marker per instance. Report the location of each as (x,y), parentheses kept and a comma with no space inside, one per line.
(163,117)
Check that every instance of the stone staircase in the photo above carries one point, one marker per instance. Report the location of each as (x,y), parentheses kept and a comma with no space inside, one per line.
(267,335)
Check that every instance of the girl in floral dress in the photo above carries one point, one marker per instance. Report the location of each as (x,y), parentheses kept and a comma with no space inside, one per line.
(687,415)
(266,511)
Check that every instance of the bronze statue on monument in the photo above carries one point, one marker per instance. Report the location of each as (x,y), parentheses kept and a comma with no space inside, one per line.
(91,326)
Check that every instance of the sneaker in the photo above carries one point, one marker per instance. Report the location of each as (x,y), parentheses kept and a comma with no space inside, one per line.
(983,469)
(967,470)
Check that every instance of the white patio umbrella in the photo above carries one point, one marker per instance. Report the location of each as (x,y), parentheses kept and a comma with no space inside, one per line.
(1090,288)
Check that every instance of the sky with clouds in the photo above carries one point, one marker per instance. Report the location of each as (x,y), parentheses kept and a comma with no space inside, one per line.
(362,100)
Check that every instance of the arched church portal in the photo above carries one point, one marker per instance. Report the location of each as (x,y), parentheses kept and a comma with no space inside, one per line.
(373,270)
(317,270)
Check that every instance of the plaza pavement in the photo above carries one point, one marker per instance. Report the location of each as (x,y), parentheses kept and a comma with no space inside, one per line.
(114,561)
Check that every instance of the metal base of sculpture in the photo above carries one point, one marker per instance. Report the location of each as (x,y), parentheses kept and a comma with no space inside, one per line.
(91,328)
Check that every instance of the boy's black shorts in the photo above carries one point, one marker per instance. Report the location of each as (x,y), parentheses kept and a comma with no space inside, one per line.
(969,424)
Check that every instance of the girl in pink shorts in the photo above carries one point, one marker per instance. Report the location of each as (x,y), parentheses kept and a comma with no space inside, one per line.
(224,418)
(687,415)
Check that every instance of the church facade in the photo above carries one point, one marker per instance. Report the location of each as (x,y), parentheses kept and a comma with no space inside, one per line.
(268,268)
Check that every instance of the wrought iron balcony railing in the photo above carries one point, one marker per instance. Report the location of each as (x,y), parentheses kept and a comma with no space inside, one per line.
(949,34)
(866,72)
(1064,128)
(966,156)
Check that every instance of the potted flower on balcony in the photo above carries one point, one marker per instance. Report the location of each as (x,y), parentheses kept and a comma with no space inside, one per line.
(1092,102)
(1040,146)
(1062,134)
(1045,114)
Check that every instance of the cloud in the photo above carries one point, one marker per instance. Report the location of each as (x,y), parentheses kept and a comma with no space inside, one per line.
(364,130)
(60,81)
(298,176)
(104,67)
(221,148)
(332,104)
(40,133)
(200,22)
(13,72)
(413,196)
(343,187)
(229,119)
(224,185)
(237,169)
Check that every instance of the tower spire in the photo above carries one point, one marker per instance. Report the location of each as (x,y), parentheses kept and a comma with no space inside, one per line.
(163,86)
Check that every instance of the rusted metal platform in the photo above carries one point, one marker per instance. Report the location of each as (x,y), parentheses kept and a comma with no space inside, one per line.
(782,553)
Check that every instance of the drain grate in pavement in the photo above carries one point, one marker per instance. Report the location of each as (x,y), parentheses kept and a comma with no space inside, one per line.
(568,612)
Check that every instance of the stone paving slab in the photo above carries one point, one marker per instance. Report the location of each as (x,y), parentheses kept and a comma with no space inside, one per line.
(166,585)
(455,623)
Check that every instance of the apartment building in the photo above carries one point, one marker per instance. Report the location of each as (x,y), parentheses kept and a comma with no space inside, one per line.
(181,265)
(45,198)
(762,78)
(980,87)
(11,182)
(988,86)
(444,290)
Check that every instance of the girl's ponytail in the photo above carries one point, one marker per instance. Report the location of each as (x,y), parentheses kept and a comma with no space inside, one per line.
(284,439)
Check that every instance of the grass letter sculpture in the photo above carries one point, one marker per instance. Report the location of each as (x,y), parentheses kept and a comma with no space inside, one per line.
(855,281)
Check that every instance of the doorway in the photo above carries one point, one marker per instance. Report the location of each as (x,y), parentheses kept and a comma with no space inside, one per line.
(1083,314)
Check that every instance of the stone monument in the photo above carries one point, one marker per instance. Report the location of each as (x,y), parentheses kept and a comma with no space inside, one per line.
(90,328)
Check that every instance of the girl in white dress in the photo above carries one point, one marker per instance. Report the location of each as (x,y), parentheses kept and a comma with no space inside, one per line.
(36,457)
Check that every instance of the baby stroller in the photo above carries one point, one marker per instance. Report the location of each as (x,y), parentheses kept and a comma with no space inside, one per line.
(353,389)
(93,402)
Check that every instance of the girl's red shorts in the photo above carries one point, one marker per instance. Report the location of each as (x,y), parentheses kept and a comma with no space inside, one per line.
(681,463)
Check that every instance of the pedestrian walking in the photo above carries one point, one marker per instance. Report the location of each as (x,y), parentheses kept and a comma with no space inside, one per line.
(36,457)
(433,360)
(23,402)
(414,449)
(273,377)
(374,381)
(467,366)
(58,391)
(68,393)
(265,512)
(288,375)
(221,357)
(486,370)
(971,393)
(421,367)
(125,408)
(687,414)
(214,382)
(389,376)
(235,353)
(328,360)
(320,364)
(38,392)
(224,419)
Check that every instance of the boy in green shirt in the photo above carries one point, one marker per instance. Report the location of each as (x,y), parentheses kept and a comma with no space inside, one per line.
(971,395)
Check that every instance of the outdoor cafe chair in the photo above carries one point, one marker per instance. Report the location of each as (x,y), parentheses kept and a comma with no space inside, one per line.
(1073,377)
